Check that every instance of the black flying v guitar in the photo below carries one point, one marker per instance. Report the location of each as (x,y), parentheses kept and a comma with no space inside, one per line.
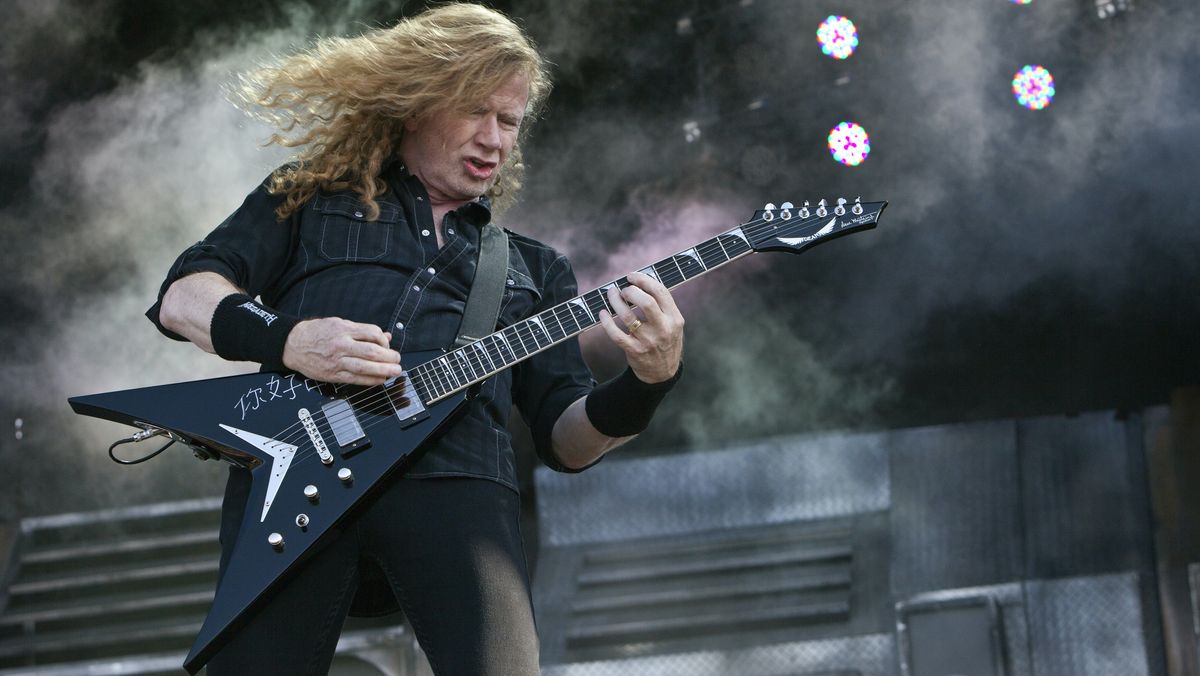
(316,450)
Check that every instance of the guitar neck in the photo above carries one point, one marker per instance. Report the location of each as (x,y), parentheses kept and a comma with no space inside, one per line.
(472,363)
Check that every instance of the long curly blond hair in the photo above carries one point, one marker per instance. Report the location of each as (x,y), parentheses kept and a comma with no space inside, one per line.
(344,101)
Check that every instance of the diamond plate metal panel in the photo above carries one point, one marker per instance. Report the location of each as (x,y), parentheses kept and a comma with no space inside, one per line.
(869,655)
(1090,626)
(786,479)
(955,507)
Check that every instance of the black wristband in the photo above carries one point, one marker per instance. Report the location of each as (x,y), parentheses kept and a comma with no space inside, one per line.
(624,405)
(245,330)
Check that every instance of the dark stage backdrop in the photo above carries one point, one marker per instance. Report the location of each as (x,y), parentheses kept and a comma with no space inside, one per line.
(1030,262)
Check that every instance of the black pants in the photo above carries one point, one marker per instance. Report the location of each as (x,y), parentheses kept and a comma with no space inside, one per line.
(451,551)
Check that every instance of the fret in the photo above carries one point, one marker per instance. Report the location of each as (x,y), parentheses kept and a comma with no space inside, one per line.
(604,294)
(502,345)
(512,338)
(456,365)
(725,251)
(563,330)
(579,306)
(487,353)
(536,322)
(715,253)
(450,374)
(548,327)
(478,355)
(690,264)
(478,360)
(418,385)
(735,241)
(682,277)
(431,369)
(431,386)
(461,366)
(495,357)
(445,374)
(664,273)
(595,302)
(554,327)
(479,369)
(527,327)
(567,309)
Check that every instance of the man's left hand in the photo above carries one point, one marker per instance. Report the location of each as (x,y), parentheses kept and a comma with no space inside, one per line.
(653,343)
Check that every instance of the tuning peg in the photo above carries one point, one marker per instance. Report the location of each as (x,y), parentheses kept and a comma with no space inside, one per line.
(857,208)
(840,210)
(786,205)
(804,210)
(769,207)
(821,210)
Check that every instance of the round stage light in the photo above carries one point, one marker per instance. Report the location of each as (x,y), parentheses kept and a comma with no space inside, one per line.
(838,37)
(1021,2)
(1034,87)
(849,144)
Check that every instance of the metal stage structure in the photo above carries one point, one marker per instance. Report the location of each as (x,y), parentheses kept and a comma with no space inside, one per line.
(998,548)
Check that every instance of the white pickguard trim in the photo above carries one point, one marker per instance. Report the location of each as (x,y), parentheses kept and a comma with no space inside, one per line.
(695,256)
(281,453)
(793,241)
(580,303)
(534,321)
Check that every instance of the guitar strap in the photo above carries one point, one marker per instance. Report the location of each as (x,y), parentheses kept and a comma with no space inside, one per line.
(483,303)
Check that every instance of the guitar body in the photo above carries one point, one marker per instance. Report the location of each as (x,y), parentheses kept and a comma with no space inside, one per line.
(254,420)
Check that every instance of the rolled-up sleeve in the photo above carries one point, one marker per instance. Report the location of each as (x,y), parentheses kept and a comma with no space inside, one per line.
(547,383)
(250,248)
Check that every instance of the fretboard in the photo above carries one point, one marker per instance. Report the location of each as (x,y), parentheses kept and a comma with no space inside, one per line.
(483,358)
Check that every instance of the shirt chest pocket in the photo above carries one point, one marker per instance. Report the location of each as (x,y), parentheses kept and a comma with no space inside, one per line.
(342,232)
(521,295)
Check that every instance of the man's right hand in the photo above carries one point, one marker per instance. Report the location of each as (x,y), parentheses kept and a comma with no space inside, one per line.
(337,350)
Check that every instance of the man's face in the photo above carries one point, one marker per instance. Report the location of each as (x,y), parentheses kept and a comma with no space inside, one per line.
(457,155)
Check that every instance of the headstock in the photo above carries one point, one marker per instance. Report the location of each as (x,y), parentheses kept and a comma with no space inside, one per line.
(794,229)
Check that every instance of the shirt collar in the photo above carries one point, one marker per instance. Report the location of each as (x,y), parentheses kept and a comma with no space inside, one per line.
(477,212)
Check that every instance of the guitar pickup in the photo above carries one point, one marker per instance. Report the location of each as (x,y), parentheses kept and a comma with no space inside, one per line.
(406,403)
(346,428)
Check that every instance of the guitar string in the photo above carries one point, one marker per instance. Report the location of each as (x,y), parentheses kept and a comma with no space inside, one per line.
(529,344)
(373,399)
(748,229)
(295,432)
(751,229)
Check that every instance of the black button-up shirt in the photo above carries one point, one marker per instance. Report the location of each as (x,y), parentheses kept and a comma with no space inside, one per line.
(328,260)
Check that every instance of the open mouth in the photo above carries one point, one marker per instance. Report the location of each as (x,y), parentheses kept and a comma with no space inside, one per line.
(479,168)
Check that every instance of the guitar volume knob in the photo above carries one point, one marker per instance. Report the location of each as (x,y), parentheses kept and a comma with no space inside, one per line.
(276,541)
(311,492)
(346,475)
